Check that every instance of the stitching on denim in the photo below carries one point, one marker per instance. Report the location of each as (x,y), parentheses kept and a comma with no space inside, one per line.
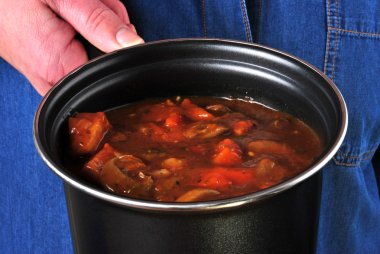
(204,18)
(365,156)
(354,32)
(353,164)
(336,39)
(327,53)
(345,164)
(247,30)
(365,153)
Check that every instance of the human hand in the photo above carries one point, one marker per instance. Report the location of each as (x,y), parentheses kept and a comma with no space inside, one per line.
(38,36)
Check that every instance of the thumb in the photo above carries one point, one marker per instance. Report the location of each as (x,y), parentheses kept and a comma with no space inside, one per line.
(96,22)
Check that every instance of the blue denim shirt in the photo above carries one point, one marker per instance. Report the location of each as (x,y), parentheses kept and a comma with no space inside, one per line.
(340,37)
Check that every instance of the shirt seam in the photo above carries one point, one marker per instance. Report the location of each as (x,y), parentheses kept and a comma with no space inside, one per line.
(353,32)
(246,22)
(342,158)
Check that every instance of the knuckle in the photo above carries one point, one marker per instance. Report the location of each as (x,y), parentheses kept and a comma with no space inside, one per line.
(96,17)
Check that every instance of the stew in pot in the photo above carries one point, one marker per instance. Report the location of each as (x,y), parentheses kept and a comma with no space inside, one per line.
(191,149)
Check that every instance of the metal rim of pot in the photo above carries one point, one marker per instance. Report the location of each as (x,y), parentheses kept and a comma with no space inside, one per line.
(196,206)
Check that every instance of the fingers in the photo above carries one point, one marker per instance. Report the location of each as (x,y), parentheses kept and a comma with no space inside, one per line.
(38,43)
(60,55)
(118,7)
(98,22)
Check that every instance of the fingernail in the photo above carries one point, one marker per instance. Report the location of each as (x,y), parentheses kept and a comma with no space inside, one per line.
(126,38)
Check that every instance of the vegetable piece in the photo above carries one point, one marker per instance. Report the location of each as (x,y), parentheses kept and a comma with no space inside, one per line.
(218,109)
(174,120)
(129,162)
(194,112)
(227,153)
(265,167)
(221,178)
(87,131)
(281,149)
(197,194)
(160,173)
(94,166)
(242,127)
(270,172)
(115,180)
(173,164)
(215,180)
(204,130)
(270,147)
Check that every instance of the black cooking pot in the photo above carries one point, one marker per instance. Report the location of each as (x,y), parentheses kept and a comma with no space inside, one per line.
(280,219)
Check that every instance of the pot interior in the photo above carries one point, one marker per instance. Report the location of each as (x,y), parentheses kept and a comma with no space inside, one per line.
(190,68)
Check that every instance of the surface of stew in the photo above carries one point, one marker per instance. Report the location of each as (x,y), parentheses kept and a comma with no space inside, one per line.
(191,149)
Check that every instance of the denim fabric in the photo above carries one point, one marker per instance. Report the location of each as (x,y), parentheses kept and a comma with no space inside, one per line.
(33,216)
(156,20)
(340,37)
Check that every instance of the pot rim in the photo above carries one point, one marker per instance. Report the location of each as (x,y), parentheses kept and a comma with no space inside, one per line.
(156,206)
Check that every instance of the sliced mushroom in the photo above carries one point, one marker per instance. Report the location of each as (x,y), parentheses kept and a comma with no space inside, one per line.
(117,181)
(204,130)
(257,147)
(129,162)
(270,172)
(265,167)
(197,194)
(218,109)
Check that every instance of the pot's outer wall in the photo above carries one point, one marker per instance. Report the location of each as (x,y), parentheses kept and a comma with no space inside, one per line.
(286,223)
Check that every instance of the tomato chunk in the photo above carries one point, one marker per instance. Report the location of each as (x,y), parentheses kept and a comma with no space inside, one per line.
(221,178)
(174,120)
(228,153)
(242,127)
(87,131)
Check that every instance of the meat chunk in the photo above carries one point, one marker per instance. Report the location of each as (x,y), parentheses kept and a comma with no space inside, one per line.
(87,130)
